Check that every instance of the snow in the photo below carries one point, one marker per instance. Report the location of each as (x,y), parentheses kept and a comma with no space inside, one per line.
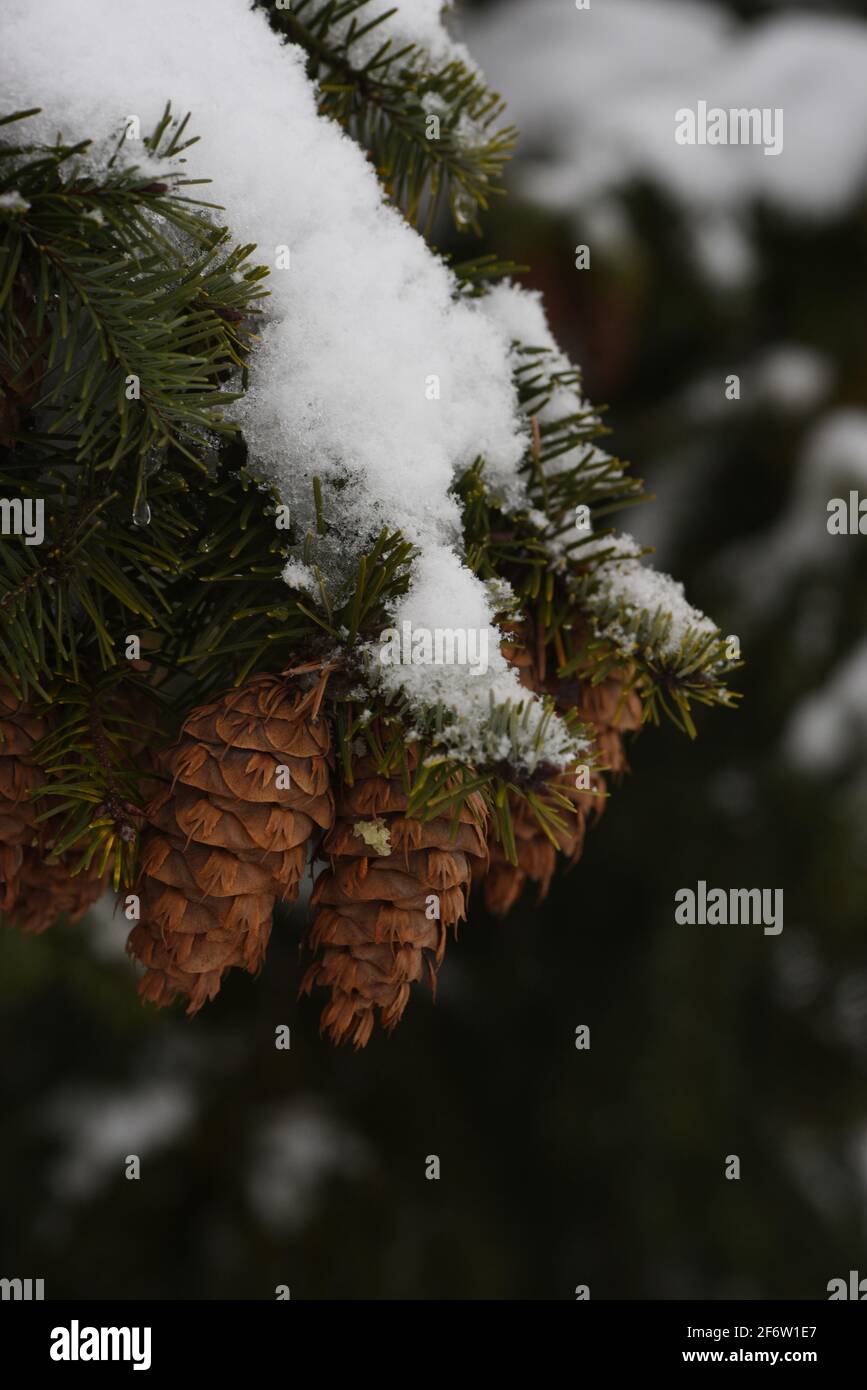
(296,1150)
(373,372)
(99,1126)
(828,730)
(836,452)
(520,315)
(422,23)
(616,549)
(637,589)
(300,576)
(13,202)
(467,694)
(594,95)
(793,377)
(833,460)
(787,378)
(364,317)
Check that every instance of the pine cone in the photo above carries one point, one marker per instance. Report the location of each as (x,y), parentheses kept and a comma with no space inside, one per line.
(393,888)
(611,713)
(47,887)
(35,888)
(225,840)
(504,882)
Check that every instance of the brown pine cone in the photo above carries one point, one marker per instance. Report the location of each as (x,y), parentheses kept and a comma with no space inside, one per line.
(225,840)
(504,882)
(47,888)
(393,888)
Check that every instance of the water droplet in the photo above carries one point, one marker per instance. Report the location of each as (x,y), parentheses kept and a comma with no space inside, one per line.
(463,210)
(204,546)
(142,512)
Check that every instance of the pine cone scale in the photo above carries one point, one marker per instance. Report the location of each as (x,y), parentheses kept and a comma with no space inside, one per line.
(226,839)
(381,919)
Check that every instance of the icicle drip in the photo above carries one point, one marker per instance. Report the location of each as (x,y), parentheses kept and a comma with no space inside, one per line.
(141,512)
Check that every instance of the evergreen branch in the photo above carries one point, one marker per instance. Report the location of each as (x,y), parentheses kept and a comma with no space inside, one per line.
(115,334)
(432,130)
(91,760)
(559,573)
(98,292)
(476,274)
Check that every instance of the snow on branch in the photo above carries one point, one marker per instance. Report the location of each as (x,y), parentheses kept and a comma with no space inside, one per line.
(377,383)
(373,373)
(400,84)
(636,606)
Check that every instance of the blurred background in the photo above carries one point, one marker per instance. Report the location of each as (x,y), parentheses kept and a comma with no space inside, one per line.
(562,1167)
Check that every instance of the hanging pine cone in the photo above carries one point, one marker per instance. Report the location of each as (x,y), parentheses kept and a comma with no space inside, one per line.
(504,882)
(48,888)
(226,838)
(35,887)
(611,711)
(393,888)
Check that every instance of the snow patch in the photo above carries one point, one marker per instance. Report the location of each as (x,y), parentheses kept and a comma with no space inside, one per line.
(828,730)
(637,589)
(833,461)
(422,23)
(595,94)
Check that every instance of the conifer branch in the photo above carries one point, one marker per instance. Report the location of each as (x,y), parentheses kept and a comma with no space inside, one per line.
(385,99)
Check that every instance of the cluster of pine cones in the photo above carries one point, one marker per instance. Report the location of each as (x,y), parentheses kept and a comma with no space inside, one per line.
(249,785)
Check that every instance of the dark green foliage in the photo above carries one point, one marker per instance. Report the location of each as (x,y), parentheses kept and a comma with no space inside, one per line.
(111,279)
(123,312)
(384,101)
(155,529)
(559,586)
(126,319)
(94,761)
